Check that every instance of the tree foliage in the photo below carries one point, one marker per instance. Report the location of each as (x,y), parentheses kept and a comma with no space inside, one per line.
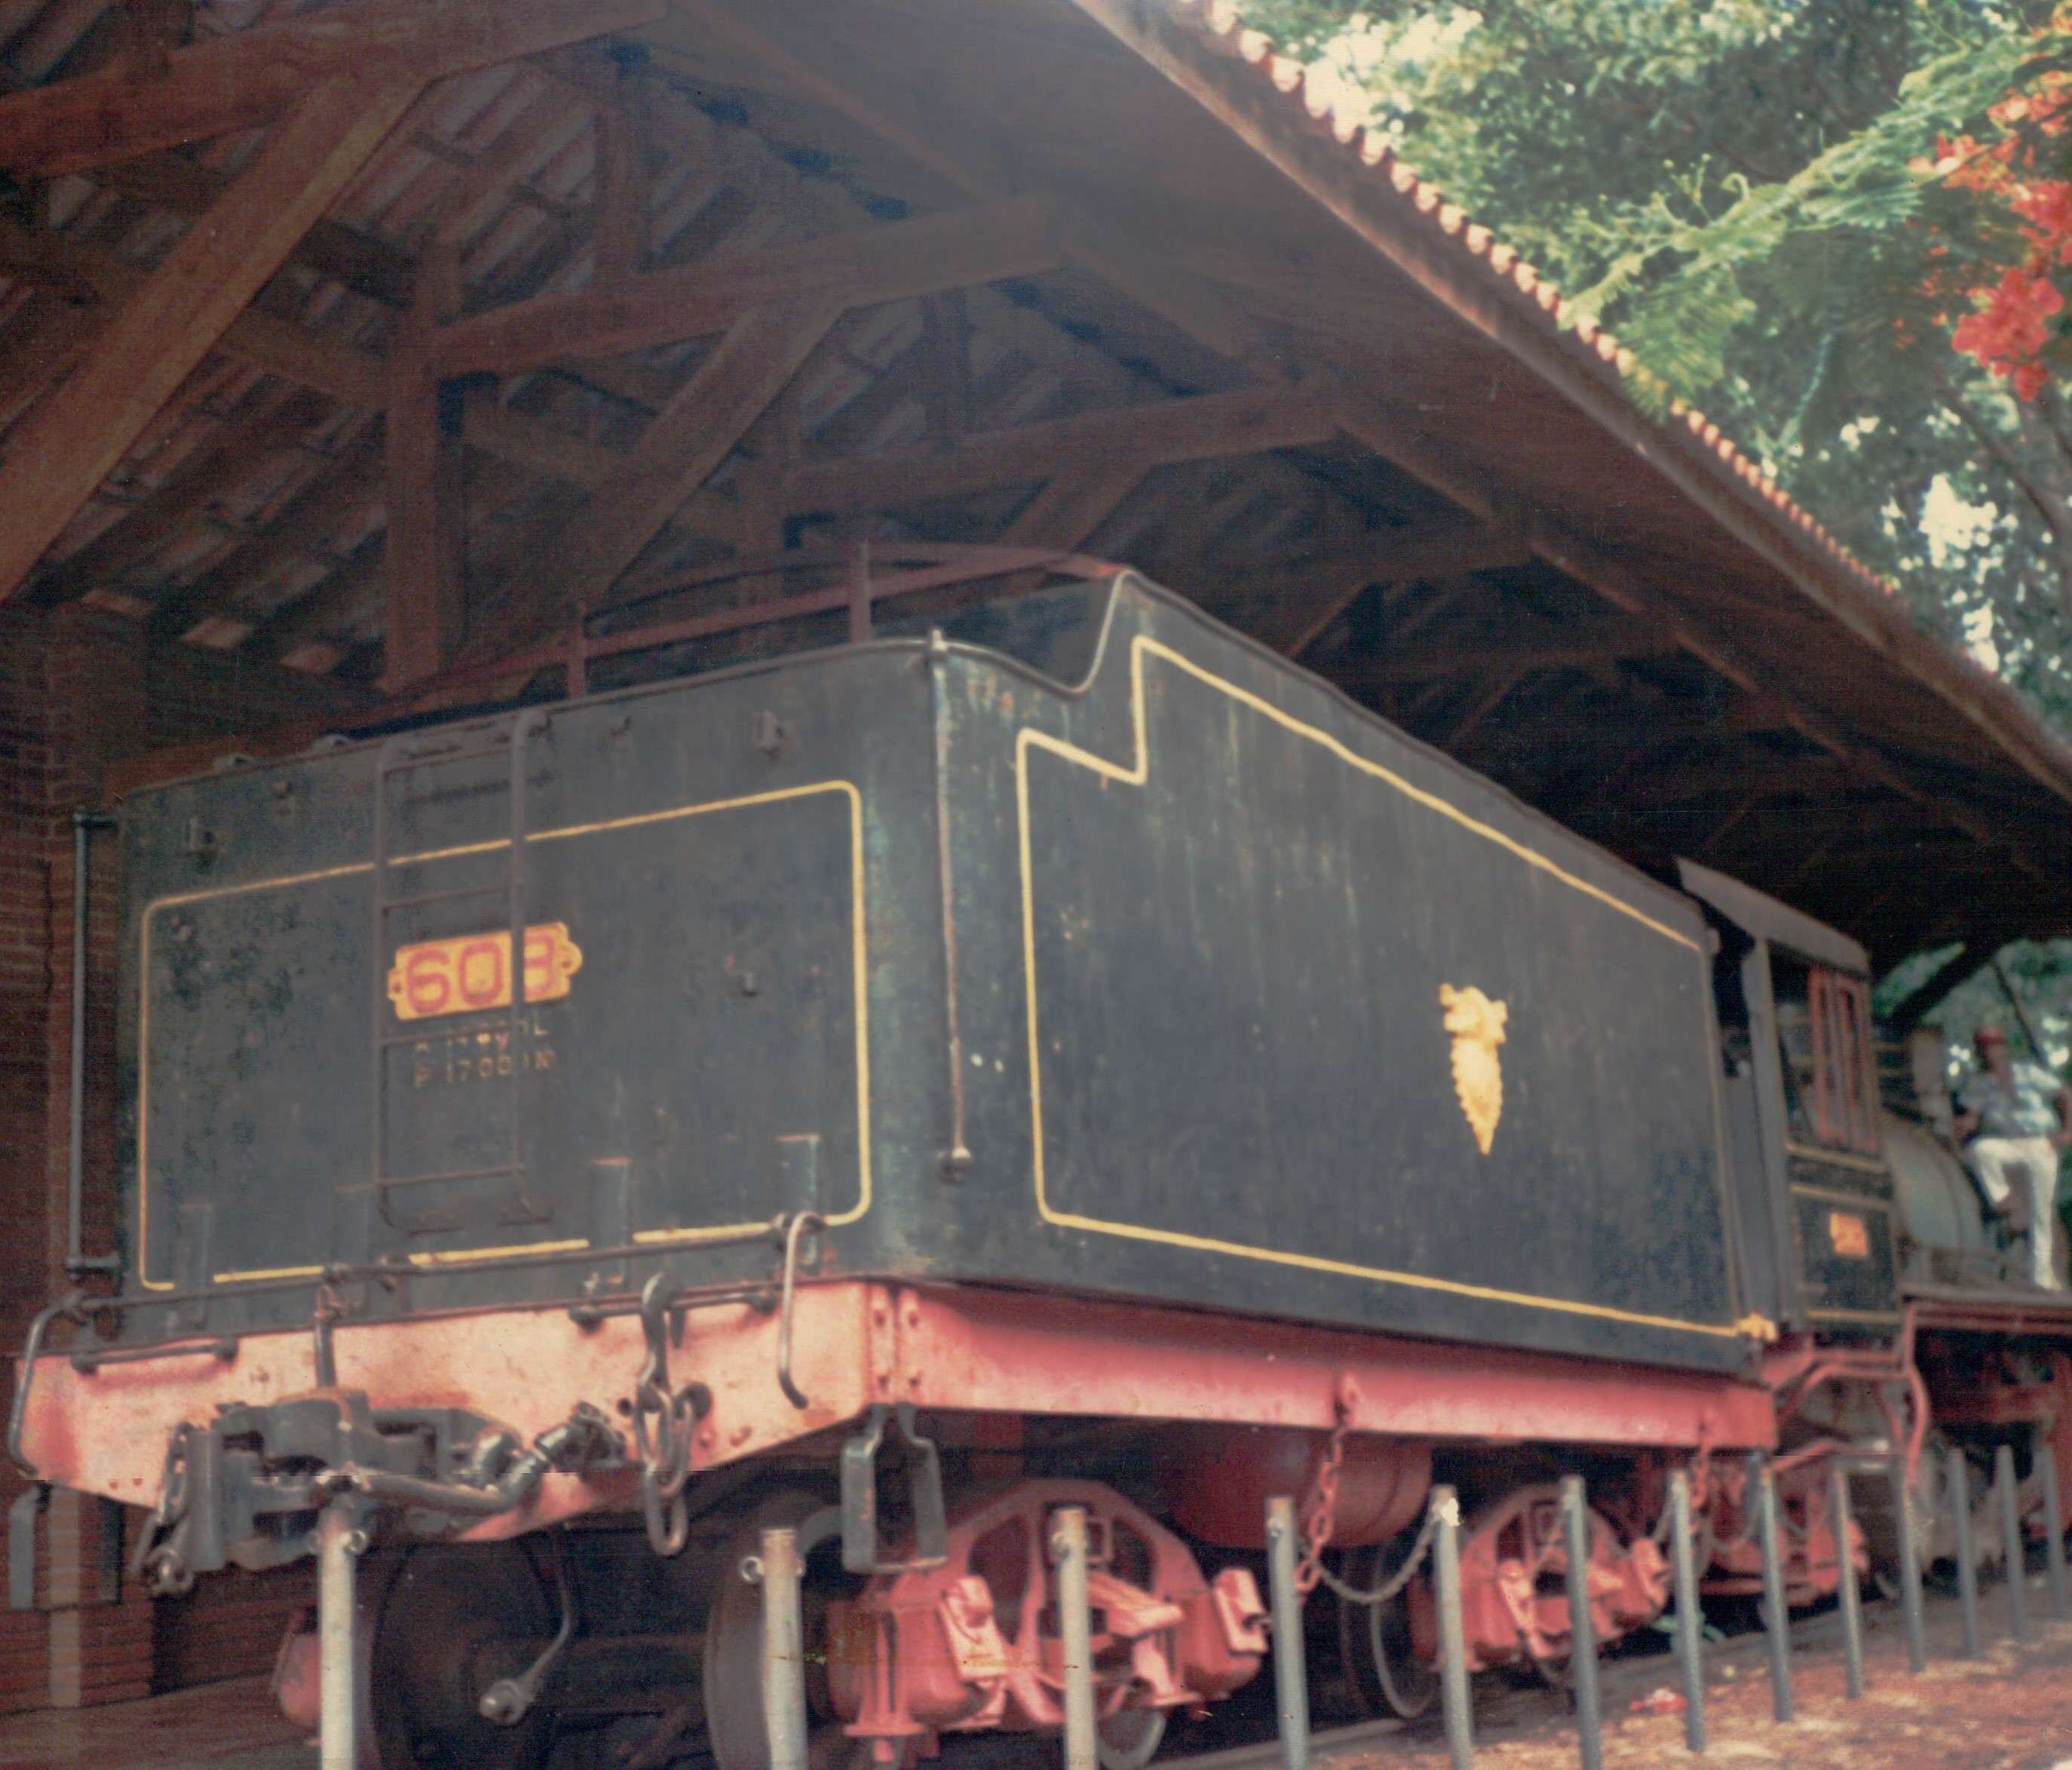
(1843,228)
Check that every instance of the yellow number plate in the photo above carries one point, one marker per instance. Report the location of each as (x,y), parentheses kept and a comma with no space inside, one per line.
(471,972)
(1849,1235)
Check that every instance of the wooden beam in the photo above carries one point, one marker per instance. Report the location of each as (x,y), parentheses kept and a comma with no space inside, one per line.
(1305,596)
(365,265)
(975,167)
(886,262)
(329,499)
(424,549)
(1480,705)
(943,355)
(269,420)
(246,79)
(70,442)
(1532,648)
(1373,424)
(1201,428)
(279,347)
(620,238)
(1069,509)
(325,606)
(688,439)
(1626,589)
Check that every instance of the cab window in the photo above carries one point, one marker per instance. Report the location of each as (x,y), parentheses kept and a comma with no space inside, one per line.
(1824,1037)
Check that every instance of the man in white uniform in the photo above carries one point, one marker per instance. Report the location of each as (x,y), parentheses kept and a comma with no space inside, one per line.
(2018,1116)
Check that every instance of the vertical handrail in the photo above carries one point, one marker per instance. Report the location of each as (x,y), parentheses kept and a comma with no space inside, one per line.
(77,1265)
(378,971)
(522,727)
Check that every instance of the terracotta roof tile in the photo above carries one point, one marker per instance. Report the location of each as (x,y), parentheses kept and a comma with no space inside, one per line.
(1218,24)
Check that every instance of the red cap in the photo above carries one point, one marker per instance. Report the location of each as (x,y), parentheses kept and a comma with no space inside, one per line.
(1988,1034)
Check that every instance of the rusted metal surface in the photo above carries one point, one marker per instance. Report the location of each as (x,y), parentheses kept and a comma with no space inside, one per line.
(104,1430)
(1514,1594)
(975,1645)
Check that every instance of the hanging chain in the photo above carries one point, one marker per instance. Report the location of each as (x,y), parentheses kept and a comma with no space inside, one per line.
(664,1422)
(1320,1506)
(1396,1581)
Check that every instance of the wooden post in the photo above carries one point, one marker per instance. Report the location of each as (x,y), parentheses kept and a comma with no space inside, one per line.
(424,549)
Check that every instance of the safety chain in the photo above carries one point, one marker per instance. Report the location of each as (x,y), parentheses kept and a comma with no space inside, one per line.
(1320,1505)
(1396,1581)
(664,1423)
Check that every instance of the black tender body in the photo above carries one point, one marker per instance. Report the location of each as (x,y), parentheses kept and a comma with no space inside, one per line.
(1183,1003)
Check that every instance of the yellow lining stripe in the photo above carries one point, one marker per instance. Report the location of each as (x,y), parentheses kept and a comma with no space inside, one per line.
(860,968)
(1136,775)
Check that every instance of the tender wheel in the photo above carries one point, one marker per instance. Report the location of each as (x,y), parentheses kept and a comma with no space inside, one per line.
(456,1618)
(1374,1639)
(1129,1740)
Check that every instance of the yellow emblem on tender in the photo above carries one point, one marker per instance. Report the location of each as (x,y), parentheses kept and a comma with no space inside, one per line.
(471,972)
(1477,1025)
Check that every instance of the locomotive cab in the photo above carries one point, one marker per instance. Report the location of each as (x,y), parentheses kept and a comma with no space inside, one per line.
(1813,1184)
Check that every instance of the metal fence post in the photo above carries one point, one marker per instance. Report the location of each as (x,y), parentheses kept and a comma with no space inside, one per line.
(1452,1642)
(2010,1541)
(1959,1485)
(1777,1617)
(1845,1578)
(1690,1620)
(2053,1546)
(1291,1687)
(783,1649)
(1582,1635)
(1910,1569)
(340,1543)
(1068,1549)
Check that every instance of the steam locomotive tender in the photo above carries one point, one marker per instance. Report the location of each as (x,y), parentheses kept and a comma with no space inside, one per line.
(1073,1058)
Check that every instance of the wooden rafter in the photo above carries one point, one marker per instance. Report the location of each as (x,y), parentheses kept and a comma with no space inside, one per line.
(423,555)
(182,187)
(689,437)
(975,167)
(312,360)
(181,308)
(1304,597)
(886,262)
(249,77)
(324,504)
(1173,430)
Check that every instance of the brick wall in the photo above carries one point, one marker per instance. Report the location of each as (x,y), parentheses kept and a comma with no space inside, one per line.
(79,695)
